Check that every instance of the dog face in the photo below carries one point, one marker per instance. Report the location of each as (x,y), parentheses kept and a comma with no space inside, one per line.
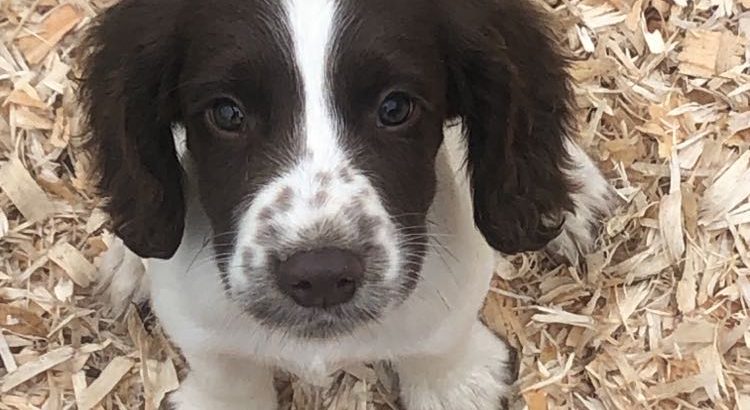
(314,127)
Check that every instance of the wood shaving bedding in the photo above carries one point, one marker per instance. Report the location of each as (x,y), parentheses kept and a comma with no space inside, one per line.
(656,318)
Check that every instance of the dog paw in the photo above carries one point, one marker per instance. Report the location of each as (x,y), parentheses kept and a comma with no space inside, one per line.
(478,376)
(188,398)
(594,202)
(122,278)
(225,387)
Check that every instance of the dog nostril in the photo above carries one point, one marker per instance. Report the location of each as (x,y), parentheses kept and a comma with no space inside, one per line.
(343,283)
(303,285)
(321,278)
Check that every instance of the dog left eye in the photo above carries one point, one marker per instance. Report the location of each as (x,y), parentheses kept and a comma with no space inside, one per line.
(395,110)
(227,116)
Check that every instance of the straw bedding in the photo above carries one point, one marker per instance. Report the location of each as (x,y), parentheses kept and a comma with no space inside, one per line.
(656,318)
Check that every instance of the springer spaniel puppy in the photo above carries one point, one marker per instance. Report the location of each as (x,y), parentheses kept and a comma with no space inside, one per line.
(325,209)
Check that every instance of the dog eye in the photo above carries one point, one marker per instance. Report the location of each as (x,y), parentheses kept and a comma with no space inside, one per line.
(395,109)
(227,116)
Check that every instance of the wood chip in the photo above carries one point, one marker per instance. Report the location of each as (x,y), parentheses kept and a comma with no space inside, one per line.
(687,287)
(551,315)
(658,318)
(55,26)
(536,400)
(728,191)
(29,120)
(556,378)
(743,403)
(709,53)
(70,259)
(9,362)
(4,224)
(20,320)
(103,385)
(24,192)
(20,97)
(670,214)
(709,362)
(686,385)
(32,369)
(159,380)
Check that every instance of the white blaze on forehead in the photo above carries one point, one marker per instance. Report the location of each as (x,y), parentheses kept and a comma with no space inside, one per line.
(311,23)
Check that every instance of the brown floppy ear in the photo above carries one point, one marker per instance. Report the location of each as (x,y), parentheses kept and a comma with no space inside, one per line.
(509,86)
(130,69)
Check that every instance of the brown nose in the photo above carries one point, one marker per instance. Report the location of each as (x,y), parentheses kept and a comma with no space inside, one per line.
(321,278)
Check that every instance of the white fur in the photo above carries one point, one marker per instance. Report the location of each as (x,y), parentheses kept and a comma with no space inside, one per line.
(225,383)
(121,277)
(473,375)
(594,198)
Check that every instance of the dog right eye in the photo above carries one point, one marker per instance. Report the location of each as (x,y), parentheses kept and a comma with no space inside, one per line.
(395,110)
(227,116)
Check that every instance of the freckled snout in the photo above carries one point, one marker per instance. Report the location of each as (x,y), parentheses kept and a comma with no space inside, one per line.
(321,278)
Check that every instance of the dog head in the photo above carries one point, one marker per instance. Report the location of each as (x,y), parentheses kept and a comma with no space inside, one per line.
(314,126)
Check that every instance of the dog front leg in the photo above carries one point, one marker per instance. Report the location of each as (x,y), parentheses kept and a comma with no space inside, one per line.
(476,374)
(215,383)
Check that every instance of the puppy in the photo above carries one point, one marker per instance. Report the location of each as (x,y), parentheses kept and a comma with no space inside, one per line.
(291,172)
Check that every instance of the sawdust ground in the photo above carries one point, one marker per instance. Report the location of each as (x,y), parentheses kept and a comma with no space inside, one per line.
(657,317)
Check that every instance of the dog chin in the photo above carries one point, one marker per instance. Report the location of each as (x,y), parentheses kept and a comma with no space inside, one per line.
(315,323)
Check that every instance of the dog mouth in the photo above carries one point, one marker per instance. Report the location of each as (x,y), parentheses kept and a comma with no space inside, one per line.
(277,312)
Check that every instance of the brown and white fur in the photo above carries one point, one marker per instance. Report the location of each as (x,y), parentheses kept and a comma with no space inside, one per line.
(233,135)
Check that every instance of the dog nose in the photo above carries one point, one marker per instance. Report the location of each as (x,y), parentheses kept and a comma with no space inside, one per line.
(321,278)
